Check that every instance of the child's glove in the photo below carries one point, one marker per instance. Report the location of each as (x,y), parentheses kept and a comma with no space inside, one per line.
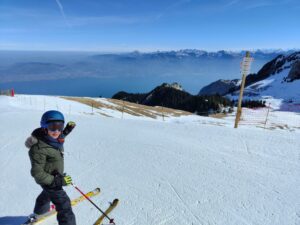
(61,180)
(70,126)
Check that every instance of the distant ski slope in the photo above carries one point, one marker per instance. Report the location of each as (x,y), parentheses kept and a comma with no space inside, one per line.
(178,172)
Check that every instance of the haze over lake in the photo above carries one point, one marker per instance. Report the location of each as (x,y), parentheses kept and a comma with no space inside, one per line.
(104,74)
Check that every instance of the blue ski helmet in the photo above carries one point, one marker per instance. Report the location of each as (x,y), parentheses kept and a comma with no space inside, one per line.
(51,115)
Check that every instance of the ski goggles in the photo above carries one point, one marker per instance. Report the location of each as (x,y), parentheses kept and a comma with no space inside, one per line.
(55,126)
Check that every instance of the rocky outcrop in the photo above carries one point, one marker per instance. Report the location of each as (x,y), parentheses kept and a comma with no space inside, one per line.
(294,73)
(174,85)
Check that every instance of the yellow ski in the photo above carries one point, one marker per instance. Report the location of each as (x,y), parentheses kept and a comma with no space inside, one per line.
(109,209)
(74,202)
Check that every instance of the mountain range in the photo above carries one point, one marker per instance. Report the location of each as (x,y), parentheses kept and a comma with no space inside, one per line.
(195,53)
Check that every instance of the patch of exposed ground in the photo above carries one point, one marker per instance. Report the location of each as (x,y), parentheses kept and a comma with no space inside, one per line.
(129,107)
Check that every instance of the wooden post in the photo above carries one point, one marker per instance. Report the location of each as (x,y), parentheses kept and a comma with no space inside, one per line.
(239,109)
(245,70)
(162,112)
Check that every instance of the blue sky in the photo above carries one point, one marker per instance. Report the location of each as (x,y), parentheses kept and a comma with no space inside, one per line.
(126,25)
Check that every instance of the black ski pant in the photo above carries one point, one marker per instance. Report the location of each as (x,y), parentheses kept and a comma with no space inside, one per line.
(60,199)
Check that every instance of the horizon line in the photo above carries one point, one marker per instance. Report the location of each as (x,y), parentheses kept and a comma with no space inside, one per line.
(154,50)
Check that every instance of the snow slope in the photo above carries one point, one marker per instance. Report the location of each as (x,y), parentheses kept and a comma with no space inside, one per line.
(275,87)
(177,172)
(281,95)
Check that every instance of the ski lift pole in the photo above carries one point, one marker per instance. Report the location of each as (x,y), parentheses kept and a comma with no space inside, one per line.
(103,213)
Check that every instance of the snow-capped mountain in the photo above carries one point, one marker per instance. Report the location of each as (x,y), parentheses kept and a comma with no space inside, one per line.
(279,78)
(275,66)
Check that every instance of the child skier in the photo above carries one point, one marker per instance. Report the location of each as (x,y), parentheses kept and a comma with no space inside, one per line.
(47,166)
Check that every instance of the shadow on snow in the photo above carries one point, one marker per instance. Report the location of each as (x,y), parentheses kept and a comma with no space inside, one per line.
(12,220)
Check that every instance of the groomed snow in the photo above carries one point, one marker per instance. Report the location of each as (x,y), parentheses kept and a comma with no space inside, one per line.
(178,172)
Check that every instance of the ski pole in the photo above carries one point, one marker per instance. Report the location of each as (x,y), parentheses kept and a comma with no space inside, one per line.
(84,195)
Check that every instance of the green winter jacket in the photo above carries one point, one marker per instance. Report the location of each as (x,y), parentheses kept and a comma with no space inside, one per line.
(45,161)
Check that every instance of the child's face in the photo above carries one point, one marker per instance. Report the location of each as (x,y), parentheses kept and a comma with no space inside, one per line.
(54,134)
(55,128)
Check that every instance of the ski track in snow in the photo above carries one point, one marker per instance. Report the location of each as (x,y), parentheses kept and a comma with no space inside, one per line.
(2,148)
(184,204)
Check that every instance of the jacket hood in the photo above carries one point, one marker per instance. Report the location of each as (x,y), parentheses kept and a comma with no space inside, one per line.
(33,139)
(30,141)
